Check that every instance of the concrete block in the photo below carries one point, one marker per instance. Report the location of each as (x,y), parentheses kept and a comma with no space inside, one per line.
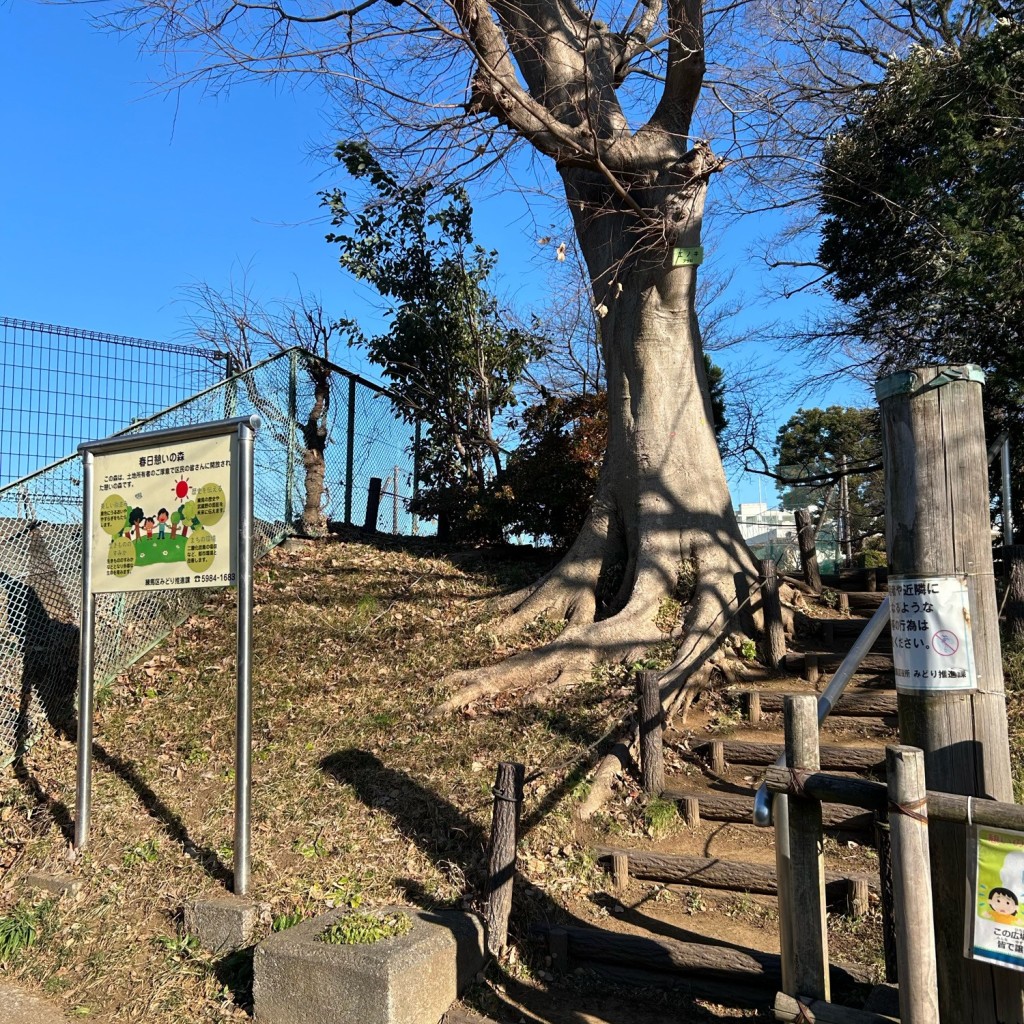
(408,979)
(19,1006)
(223,924)
(59,885)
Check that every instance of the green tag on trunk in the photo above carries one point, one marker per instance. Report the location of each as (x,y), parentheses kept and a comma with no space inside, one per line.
(688,256)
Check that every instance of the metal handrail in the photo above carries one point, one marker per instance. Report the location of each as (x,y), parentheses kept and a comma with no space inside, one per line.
(830,696)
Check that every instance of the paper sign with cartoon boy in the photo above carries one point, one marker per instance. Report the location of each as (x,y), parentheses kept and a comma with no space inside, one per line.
(997,933)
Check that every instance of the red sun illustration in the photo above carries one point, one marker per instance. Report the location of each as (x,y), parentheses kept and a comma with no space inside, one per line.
(181,489)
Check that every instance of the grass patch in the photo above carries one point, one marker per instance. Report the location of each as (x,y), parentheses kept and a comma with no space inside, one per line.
(366,928)
(20,928)
(660,816)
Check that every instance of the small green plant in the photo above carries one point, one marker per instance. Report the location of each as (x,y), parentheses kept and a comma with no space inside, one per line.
(660,815)
(19,929)
(695,903)
(748,649)
(365,928)
(283,922)
(317,848)
(830,597)
(142,853)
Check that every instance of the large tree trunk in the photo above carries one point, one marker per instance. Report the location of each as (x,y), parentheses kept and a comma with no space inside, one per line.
(661,525)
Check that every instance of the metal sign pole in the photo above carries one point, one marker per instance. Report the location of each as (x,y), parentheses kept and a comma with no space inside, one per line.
(243,708)
(85,665)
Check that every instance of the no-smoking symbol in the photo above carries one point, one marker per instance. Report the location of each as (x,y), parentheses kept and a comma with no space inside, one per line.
(945,642)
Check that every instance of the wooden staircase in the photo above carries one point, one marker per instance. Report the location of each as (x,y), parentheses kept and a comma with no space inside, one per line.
(699,906)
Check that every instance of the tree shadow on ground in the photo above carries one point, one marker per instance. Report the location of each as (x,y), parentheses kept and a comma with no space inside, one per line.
(449,837)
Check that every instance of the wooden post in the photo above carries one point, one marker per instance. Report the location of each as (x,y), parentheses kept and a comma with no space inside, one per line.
(691,811)
(508,803)
(717,757)
(883,845)
(808,550)
(806,855)
(811,670)
(373,503)
(857,897)
(912,886)
(652,751)
(753,709)
(620,871)
(771,603)
(1013,563)
(844,603)
(937,525)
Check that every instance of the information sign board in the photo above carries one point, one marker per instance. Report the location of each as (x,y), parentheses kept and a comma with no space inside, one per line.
(932,647)
(995,914)
(165,517)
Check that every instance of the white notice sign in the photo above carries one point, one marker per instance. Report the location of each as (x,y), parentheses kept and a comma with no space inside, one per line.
(931,633)
(164,517)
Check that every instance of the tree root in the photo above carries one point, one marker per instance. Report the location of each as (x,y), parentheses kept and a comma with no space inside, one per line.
(575,651)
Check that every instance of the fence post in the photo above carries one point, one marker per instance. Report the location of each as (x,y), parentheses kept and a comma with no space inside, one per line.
(293,407)
(883,847)
(808,550)
(231,392)
(912,886)
(394,502)
(937,531)
(806,855)
(1013,573)
(771,602)
(416,442)
(350,444)
(652,751)
(508,803)
(372,503)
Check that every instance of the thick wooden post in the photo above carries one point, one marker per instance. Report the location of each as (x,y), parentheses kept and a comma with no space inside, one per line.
(652,751)
(771,602)
(806,855)
(508,803)
(912,886)
(937,529)
(808,550)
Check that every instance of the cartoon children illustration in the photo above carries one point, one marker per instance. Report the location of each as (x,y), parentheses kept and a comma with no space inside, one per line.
(1002,905)
(161,517)
(150,523)
(135,519)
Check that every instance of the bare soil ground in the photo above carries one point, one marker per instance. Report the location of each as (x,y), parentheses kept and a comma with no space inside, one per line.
(359,797)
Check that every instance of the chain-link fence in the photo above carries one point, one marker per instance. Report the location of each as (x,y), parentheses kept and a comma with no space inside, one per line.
(41,531)
(63,385)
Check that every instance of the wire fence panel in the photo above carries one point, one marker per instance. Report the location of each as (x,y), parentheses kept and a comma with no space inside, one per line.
(41,533)
(62,385)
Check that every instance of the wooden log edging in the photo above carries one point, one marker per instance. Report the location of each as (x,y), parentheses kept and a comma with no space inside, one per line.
(662,954)
(833,758)
(810,1011)
(853,705)
(740,808)
(714,873)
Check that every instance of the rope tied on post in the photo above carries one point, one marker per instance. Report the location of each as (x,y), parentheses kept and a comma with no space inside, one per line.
(797,781)
(911,810)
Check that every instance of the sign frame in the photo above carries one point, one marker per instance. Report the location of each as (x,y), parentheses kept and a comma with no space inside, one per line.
(244,430)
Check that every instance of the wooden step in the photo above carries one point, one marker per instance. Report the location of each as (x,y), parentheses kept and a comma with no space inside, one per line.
(569,946)
(827,661)
(739,808)
(851,704)
(735,876)
(719,753)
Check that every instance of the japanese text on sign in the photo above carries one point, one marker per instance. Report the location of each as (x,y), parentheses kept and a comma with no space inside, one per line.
(931,634)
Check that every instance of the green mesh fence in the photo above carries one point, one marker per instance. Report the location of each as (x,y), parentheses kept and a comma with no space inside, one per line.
(41,531)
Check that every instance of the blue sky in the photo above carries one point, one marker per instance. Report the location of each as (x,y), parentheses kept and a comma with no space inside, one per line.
(118,196)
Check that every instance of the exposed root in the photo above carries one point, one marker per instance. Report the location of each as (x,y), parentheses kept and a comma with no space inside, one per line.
(574,652)
(616,761)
